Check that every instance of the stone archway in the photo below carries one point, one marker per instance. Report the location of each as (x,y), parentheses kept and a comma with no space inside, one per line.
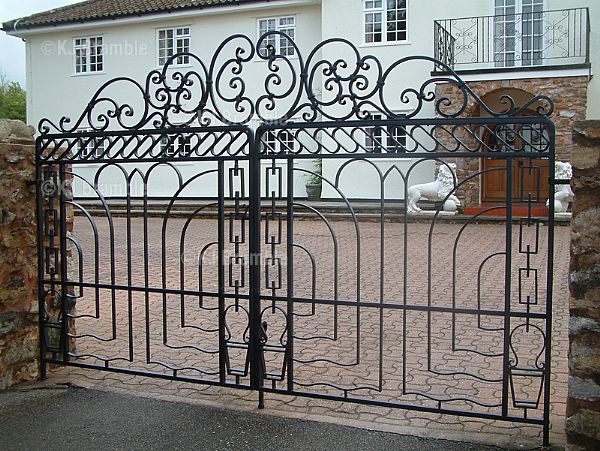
(568,93)
(529,179)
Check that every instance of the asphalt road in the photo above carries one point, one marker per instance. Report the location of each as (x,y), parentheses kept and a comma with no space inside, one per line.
(79,419)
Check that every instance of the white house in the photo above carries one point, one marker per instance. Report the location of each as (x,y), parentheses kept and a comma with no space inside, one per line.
(520,47)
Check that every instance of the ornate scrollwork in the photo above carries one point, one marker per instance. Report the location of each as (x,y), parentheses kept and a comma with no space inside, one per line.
(319,88)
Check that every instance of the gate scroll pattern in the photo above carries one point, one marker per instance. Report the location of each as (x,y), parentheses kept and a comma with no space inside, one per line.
(233,287)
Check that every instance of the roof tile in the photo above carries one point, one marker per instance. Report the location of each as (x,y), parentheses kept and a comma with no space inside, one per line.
(105,9)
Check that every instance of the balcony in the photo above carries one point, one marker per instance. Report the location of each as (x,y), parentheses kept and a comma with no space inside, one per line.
(552,39)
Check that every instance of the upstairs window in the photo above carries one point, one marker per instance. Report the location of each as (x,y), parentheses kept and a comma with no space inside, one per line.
(89,55)
(282,45)
(385,20)
(382,139)
(518,32)
(172,41)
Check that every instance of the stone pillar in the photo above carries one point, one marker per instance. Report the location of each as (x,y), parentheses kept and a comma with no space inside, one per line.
(18,255)
(583,404)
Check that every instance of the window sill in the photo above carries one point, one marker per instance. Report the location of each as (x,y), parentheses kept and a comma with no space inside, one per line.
(278,58)
(383,44)
(88,165)
(267,160)
(398,158)
(176,66)
(87,74)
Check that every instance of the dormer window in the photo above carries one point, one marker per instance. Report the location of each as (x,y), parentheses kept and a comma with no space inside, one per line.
(385,21)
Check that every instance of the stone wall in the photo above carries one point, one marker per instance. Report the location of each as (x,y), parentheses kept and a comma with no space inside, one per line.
(583,404)
(569,95)
(18,255)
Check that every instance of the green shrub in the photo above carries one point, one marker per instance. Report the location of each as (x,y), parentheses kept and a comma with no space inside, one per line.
(315,179)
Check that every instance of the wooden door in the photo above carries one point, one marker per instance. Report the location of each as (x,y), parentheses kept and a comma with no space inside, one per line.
(532,178)
(530,175)
(494,181)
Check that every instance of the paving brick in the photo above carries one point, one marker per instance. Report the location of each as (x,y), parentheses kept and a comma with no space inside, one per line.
(454,338)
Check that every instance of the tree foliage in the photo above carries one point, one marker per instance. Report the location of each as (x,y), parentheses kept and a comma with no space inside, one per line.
(12,100)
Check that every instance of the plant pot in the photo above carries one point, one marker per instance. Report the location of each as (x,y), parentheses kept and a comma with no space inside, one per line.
(313,190)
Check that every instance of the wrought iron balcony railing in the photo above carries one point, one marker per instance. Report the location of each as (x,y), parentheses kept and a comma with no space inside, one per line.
(549,38)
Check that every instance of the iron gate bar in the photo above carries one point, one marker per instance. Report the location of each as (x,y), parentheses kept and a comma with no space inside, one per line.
(220,140)
(290,278)
(339,302)
(507,283)
(549,290)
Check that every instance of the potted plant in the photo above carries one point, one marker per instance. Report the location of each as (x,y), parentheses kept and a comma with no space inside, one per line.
(314,182)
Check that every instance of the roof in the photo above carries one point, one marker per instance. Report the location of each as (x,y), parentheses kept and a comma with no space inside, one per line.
(91,10)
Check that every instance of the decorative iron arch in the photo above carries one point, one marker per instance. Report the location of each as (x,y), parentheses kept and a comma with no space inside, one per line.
(315,89)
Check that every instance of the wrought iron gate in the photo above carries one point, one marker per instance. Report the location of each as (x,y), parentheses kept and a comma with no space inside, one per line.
(196,256)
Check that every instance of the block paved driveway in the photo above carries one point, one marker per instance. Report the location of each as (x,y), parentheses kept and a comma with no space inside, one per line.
(376,351)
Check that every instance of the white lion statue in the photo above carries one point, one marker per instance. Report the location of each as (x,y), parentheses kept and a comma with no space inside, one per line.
(436,191)
(563,194)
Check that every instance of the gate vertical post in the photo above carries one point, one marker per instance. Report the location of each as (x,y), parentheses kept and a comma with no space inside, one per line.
(64,332)
(507,286)
(549,285)
(256,370)
(221,266)
(289,354)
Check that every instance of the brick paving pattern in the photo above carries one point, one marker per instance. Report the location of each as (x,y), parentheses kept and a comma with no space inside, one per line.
(357,349)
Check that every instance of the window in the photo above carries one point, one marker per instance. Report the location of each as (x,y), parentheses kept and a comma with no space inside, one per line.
(380,139)
(518,32)
(172,41)
(278,142)
(504,33)
(89,148)
(89,56)
(173,146)
(533,32)
(281,44)
(385,20)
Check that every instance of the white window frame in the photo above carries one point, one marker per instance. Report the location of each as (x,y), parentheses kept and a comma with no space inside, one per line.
(271,145)
(383,11)
(181,61)
(85,44)
(518,50)
(279,27)
(180,147)
(84,152)
(390,139)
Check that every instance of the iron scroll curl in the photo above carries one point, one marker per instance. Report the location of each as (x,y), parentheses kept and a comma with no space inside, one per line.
(322,87)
